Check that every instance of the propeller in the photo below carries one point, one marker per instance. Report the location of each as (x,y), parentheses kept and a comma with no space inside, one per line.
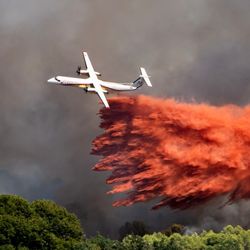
(78,71)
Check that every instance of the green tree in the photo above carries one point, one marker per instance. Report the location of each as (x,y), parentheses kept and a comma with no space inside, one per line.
(222,241)
(41,224)
(157,241)
(135,242)
(105,243)
(185,242)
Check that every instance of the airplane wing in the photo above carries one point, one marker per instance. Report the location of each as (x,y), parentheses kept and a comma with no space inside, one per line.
(89,66)
(102,96)
(94,78)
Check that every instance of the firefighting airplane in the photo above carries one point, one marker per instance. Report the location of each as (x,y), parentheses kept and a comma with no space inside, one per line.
(95,85)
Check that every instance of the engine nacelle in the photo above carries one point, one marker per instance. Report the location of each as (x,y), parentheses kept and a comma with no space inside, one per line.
(97,73)
(85,72)
(89,89)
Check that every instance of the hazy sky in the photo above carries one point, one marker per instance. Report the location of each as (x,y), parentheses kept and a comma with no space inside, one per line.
(194,50)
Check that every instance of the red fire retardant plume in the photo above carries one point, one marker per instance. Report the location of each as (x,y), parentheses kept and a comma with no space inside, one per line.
(183,154)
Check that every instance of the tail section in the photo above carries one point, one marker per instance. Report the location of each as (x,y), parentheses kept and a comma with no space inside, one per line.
(143,78)
(138,82)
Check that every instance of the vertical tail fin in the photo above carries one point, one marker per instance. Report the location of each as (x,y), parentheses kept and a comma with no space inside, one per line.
(145,76)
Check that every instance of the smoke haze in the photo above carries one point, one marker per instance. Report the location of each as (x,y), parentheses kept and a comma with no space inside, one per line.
(193,49)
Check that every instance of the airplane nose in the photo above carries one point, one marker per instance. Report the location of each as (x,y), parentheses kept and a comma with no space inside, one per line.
(52,80)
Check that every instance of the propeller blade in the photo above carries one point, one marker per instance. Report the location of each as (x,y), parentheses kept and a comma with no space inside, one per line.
(78,71)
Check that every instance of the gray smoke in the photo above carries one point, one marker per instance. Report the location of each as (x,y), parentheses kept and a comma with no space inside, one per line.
(194,50)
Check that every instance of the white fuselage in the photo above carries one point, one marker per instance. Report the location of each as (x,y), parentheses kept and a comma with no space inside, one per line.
(88,83)
(117,86)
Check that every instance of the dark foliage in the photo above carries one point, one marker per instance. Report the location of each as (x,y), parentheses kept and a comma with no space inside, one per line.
(134,228)
(41,224)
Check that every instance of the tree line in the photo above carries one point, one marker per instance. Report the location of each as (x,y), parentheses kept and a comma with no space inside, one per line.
(42,224)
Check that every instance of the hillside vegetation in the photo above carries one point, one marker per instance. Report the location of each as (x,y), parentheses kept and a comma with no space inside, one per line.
(42,224)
